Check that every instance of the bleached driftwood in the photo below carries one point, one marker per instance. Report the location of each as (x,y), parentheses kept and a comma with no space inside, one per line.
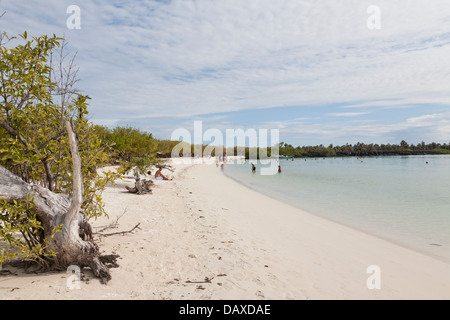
(141,186)
(74,244)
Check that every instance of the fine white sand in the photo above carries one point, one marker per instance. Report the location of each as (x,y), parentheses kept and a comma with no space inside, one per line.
(204,236)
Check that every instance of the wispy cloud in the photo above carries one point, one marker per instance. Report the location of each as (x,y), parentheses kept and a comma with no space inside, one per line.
(346,114)
(184,58)
(431,127)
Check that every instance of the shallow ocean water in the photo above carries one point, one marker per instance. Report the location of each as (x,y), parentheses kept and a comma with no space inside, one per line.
(405,199)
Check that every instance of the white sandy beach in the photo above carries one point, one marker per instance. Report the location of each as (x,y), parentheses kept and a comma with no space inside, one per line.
(204,236)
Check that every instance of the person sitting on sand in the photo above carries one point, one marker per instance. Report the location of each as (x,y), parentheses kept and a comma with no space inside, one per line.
(160,176)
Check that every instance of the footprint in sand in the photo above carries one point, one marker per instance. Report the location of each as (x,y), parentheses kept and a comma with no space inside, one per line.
(258,282)
(272,277)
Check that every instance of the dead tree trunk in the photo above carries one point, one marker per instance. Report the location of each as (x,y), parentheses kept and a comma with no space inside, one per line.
(73,244)
(140,186)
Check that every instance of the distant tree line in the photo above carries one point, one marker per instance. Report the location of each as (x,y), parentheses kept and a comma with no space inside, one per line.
(359,149)
(132,147)
(363,149)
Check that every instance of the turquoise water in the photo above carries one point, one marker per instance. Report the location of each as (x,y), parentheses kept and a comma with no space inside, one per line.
(400,198)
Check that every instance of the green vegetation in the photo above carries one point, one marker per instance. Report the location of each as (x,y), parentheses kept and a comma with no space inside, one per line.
(359,149)
(165,147)
(440,151)
(362,149)
(129,147)
(34,143)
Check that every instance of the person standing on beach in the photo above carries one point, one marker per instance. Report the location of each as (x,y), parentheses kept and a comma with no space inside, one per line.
(253,168)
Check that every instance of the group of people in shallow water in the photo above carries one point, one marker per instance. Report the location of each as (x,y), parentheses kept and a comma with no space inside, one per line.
(254,168)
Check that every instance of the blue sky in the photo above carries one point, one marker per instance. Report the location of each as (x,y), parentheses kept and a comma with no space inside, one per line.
(312,69)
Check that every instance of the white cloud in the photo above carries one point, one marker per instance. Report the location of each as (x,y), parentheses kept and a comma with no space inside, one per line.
(431,127)
(346,114)
(185,57)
